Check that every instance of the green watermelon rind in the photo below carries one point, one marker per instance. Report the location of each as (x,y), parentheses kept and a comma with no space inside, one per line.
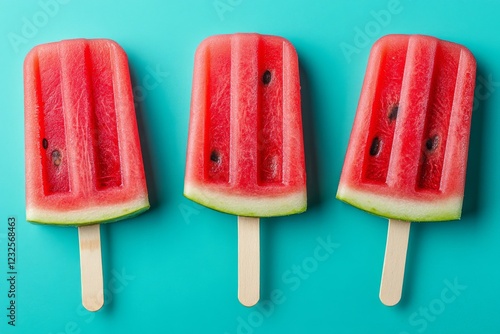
(99,215)
(411,210)
(248,205)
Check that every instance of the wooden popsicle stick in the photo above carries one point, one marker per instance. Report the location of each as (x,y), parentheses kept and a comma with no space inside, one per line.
(393,271)
(91,267)
(248,261)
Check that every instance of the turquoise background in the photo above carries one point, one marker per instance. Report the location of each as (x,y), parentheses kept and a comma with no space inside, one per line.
(173,269)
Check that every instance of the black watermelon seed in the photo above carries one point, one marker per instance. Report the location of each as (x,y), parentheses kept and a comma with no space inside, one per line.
(45,143)
(375,148)
(56,157)
(431,143)
(266,78)
(393,114)
(215,156)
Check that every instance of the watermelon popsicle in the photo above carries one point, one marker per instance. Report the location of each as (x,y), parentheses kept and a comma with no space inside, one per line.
(83,156)
(407,154)
(245,151)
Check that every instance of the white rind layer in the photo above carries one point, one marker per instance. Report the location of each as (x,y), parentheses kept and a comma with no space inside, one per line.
(250,206)
(411,210)
(91,215)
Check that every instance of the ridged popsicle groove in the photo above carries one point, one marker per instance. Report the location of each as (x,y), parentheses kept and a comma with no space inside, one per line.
(52,124)
(244,110)
(106,158)
(73,99)
(270,113)
(384,113)
(438,119)
(414,106)
(217,123)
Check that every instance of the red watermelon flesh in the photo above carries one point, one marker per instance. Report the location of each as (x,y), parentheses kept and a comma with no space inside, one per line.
(83,155)
(245,149)
(407,154)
